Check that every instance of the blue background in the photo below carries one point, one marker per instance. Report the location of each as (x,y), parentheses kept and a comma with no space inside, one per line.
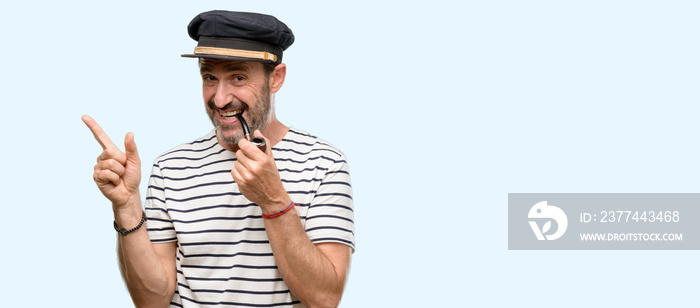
(442,107)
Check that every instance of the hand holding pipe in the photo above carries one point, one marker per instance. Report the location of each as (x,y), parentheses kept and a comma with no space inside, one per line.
(259,142)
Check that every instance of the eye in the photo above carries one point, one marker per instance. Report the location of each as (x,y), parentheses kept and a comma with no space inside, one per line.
(239,80)
(208,80)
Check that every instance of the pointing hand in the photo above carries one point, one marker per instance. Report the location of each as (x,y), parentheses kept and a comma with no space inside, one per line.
(117,174)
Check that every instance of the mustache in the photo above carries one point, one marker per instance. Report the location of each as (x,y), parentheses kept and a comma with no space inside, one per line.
(229,106)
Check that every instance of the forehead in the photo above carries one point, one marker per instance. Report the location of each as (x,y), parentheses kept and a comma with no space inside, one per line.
(206,64)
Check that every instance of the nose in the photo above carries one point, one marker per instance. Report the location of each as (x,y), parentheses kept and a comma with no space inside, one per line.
(223,95)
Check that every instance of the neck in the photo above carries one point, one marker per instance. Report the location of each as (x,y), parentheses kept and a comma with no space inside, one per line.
(274,131)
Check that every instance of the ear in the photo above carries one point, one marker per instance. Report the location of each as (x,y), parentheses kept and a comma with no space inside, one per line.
(277,77)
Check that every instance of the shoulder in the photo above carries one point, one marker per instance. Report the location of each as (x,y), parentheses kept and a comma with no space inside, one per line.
(302,143)
(200,147)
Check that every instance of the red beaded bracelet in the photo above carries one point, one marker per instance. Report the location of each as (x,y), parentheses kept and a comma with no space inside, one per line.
(289,207)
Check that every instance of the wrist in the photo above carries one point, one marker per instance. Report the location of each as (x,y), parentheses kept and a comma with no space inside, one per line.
(275,206)
(279,213)
(124,231)
(129,214)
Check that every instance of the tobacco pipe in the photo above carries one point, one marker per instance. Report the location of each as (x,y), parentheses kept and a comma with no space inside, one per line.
(259,142)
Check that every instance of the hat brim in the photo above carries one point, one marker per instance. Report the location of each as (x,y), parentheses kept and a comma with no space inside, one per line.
(235,50)
(227,58)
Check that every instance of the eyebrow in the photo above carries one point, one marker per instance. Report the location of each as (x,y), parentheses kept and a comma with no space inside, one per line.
(231,67)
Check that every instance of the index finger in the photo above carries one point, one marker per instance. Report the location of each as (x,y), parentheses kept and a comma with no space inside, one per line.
(97,131)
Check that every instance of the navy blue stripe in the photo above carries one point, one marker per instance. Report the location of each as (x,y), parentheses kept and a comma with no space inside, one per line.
(199,185)
(160,229)
(212,218)
(337,171)
(310,159)
(230,278)
(204,196)
(222,231)
(156,188)
(316,139)
(191,150)
(213,255)
(302,170)
(156,209)
(298,142)
(232,291)
(260,267)
(248,254)
(336,183)
(203,140)
(332,194)
(301,192)
(158,219)
(174,303)
(163,240)
(154,198)
(238,303)
(225,243)
(332,205)
(330,216)
(211,207)
(309,152)
(301,134)
(199,167)
(330,228)
(192,176)
(191,158)
(332,239)
(302,181)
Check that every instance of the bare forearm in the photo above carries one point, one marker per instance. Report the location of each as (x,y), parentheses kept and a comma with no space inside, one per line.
(315,275)
(310,275)
(149,273)
(142,269)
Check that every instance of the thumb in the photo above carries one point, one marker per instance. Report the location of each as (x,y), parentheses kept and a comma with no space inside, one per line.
(130,148)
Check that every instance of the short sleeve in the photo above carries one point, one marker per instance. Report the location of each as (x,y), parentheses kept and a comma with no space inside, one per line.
(330,217)
(159,224)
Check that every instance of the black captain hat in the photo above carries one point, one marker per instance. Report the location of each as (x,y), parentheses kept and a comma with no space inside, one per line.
(239,36)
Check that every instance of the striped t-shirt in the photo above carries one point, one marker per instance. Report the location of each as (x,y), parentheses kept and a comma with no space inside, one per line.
(223,254)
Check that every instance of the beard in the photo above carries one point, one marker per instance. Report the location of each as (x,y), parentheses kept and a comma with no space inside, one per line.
(256,117)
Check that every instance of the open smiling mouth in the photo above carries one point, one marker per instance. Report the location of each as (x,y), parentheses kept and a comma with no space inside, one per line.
(228,115)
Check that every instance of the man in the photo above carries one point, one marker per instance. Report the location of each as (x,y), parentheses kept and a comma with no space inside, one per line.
(228,224)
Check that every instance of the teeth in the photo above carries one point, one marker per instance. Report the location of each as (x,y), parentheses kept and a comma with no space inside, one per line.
(231,113)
